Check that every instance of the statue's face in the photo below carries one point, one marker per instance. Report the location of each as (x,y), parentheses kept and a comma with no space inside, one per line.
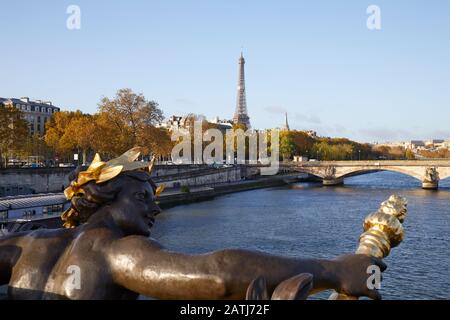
(135,209)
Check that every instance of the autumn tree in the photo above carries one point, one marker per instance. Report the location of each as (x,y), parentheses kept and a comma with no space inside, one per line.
(442,153)
(127,121)
(35,146)
(302,141)
(55,129)
(112,138)
(68,132)
(397,153)
(155,141)
(80,134)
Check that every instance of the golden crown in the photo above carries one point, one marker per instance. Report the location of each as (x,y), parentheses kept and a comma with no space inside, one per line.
(100,171)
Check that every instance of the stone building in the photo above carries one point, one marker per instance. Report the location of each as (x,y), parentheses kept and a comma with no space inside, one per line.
(36,113)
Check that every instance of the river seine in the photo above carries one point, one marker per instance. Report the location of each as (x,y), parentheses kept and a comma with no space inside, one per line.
(308,220)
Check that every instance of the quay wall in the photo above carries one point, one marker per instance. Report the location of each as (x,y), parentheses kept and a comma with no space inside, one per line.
(16,181)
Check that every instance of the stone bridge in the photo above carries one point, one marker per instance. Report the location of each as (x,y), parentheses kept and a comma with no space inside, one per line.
(429,172)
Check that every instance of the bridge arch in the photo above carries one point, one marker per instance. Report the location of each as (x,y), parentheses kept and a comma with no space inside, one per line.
(354,171)
(444,173)
(334,172)
(311,171)
(345,173)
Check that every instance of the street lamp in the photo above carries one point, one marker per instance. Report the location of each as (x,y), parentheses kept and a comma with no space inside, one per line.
(359,155)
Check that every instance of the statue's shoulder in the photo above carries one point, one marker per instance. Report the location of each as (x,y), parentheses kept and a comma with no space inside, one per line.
(38,235)
(136,242)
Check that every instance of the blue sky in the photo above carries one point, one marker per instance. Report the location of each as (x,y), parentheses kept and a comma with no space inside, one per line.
(314,59)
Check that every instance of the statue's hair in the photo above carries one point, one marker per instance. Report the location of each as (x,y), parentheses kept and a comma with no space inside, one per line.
(94,196)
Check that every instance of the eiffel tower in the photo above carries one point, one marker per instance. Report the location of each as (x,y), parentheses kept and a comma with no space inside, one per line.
(240,115)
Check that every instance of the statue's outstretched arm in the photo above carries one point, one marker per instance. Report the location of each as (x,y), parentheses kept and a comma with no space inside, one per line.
(141,265)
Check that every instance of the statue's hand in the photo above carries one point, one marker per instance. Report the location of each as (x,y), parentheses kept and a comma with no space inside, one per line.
(352,275)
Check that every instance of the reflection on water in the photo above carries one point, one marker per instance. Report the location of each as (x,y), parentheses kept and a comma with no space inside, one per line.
(308,220)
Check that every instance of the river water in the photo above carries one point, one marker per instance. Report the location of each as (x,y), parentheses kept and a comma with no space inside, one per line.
(308,220)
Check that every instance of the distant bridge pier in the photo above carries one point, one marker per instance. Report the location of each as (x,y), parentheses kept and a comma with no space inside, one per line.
(333,181)
(430,185)
(431,179)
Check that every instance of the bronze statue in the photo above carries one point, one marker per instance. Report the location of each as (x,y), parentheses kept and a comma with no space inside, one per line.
(105,252)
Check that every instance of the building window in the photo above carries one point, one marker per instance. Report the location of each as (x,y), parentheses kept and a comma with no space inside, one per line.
(39,119)
(32,108)
(54,209)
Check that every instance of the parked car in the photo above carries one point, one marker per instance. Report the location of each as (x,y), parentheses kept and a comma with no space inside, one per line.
(33,165)
(66,165)
(14,163)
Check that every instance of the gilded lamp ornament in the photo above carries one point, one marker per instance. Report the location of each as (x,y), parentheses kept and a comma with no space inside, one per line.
(383,230)
(100,172)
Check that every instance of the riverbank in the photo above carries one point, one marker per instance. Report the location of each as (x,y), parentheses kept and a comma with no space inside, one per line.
(171,198)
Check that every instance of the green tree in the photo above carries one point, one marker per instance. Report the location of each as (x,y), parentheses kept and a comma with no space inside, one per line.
(409,154)
(13,133)
(287,145)
(321,150)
